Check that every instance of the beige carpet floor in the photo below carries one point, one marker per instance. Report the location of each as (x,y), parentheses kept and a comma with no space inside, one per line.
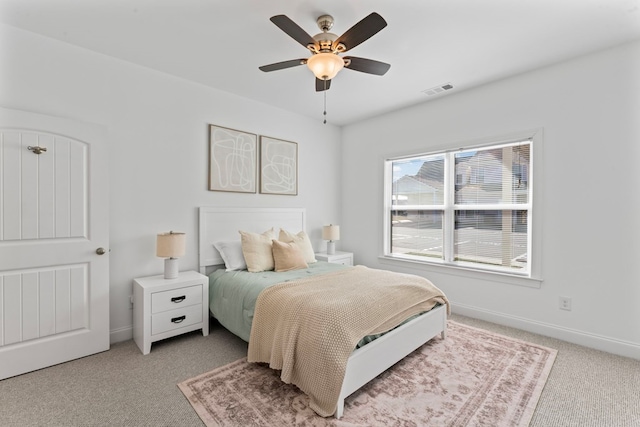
(122,387)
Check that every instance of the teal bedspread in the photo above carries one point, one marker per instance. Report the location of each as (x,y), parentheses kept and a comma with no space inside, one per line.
(232,295)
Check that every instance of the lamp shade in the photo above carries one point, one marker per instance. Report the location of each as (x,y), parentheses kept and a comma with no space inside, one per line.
(170,245)
(325,65)
(331,232)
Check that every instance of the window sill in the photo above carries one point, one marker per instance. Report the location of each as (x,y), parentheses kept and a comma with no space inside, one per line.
(454,270)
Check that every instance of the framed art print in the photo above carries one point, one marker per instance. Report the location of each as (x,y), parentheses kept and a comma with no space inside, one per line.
(232,160)
(278,166)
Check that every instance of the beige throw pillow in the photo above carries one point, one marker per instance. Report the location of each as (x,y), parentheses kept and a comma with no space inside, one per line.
(287,256)
(256,249)
(303,242)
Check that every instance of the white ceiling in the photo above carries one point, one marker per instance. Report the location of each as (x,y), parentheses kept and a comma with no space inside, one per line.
(221,43)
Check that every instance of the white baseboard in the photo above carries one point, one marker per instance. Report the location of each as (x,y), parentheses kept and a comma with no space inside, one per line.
(121,334)
(598,342)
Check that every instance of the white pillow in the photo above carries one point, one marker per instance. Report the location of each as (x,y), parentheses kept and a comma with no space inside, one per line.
(231,253)
(256,249)
(303,242)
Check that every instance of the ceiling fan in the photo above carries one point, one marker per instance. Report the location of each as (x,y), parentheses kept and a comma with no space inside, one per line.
(325,61)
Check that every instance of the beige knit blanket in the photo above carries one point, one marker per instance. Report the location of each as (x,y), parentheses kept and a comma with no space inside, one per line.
(308,328)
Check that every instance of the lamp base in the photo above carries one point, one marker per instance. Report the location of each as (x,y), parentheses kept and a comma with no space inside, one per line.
(170,268)
(331,247)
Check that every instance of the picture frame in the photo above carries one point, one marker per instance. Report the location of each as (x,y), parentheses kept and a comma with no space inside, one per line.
(278,166)
(232,160)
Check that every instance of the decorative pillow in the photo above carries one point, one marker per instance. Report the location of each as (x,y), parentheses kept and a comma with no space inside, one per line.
(303,242)
(287,256)
(231,253)
(256,249)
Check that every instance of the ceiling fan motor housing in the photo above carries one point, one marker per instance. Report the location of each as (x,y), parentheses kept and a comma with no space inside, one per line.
(324,42)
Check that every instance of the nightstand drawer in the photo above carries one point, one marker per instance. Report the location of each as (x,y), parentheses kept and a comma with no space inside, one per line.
(176,298)
(343,260)
(175,319)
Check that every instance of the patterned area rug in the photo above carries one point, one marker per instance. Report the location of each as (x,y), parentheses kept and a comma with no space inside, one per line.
(472,378)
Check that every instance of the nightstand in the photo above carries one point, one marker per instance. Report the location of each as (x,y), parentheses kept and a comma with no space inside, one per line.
(344,258)
(164,308)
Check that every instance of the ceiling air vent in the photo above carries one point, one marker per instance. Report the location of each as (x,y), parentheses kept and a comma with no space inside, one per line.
(438,89)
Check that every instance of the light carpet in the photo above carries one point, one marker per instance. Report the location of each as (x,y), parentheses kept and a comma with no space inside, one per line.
(471,378)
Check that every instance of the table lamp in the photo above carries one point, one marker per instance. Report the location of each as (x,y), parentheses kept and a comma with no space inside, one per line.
(170,246)
(331,233)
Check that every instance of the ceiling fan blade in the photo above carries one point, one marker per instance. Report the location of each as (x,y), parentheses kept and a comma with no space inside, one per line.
(293,30)
(282,65)
(366,65)
(320,85)
(363,30)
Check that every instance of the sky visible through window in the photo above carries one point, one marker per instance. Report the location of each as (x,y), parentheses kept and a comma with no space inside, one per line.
(411,167)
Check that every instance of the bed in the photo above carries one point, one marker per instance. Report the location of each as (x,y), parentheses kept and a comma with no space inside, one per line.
(371,356)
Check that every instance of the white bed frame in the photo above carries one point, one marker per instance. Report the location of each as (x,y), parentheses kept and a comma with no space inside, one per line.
(365,363)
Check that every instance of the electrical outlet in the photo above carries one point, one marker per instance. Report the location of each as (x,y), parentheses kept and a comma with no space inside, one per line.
(565,303)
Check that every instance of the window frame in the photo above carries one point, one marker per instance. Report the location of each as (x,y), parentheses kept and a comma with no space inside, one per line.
(532,276)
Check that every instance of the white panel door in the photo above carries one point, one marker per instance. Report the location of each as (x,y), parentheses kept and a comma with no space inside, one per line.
(54,256)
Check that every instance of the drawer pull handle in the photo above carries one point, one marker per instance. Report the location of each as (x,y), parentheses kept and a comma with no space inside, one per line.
(178,319)
(178,299)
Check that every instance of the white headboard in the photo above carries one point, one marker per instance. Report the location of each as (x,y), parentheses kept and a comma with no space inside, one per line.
(222,224)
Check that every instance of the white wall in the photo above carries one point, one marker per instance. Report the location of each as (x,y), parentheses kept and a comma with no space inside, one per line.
(158,144)
(589,109)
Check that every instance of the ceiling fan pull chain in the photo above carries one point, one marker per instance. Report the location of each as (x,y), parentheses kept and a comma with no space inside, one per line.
(325,102)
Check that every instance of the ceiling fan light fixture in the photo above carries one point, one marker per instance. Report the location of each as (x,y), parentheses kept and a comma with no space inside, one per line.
(325,66)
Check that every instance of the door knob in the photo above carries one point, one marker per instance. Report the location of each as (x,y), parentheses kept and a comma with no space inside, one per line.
(101,251)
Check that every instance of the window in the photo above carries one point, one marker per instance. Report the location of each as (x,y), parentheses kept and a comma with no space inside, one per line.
(469,208)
